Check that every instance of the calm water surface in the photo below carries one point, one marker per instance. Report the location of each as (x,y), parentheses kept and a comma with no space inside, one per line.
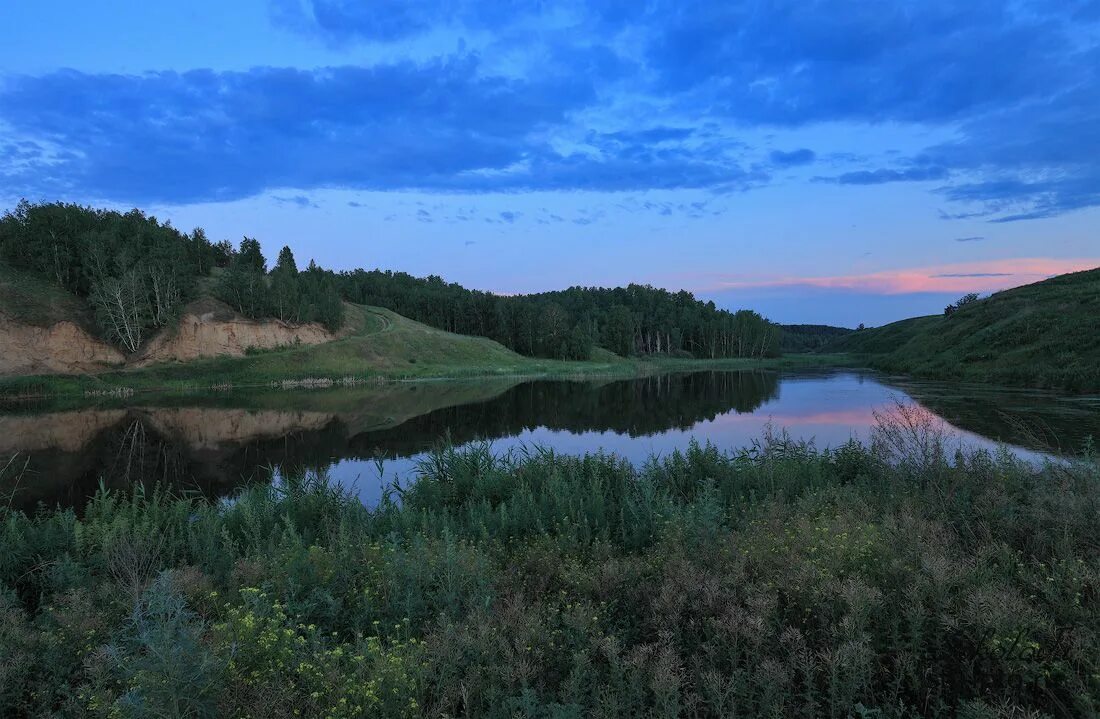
(214,445)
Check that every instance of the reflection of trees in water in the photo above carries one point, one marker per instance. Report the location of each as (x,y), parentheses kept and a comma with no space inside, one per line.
(140,454)
(135,451)
(130,452)
(637,407)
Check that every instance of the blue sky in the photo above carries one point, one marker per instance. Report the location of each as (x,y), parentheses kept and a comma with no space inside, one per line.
(836,162)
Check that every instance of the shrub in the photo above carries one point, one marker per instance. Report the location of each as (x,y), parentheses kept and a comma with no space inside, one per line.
(895,580)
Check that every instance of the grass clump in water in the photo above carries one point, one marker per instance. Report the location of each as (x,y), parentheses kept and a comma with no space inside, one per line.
(776,581)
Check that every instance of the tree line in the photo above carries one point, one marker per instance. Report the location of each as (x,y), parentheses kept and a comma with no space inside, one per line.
(283,293)
(134,271)
(809,338)
(630,321)
(137,273)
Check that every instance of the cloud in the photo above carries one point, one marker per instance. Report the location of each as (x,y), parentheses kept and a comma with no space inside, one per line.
(969,239)
(300,201)
(793,158)
(651,135)
(882,176)
(785,62)
(958,277)
(343,21)
(440,126)
(202,135)
(601,96)
(791,63)
(971,274)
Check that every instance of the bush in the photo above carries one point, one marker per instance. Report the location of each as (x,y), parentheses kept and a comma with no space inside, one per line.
(780,580)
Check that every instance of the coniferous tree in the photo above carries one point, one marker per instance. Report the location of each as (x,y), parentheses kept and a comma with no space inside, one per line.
(243,286)
(286,295)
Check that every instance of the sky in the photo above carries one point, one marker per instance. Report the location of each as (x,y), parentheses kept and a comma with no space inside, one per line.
(837,162)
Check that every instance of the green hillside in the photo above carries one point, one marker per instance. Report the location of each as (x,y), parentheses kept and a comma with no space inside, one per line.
(1044,335)
(30,300)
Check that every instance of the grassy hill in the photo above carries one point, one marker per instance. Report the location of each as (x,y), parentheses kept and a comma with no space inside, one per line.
(378,343)
(27,299)
(1044,335)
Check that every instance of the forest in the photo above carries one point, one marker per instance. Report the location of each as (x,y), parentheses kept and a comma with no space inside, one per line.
(629,321)
(809,338)
(137,273)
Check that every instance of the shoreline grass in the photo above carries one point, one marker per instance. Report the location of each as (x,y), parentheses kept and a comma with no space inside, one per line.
(223,374)
(888,580)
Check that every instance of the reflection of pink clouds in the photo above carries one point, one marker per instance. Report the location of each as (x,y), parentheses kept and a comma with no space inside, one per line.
(861,416)
(958,277)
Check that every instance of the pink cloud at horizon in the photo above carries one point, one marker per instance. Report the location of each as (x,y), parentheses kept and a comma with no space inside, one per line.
(986,276)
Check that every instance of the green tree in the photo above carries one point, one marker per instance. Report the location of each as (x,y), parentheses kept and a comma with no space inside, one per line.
(251,256)
(244,285)
(286,294)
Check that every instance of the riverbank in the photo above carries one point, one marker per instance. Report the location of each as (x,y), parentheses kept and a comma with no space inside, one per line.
(775,581)
(333,365)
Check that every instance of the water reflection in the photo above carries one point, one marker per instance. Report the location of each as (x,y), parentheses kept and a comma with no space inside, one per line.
(211,446)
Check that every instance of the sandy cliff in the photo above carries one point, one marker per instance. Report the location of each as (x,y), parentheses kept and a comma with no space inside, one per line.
(210,329)
(207,328)
(61,348)
(209,428)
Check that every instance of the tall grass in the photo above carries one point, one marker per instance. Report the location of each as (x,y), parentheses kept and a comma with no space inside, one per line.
(887,580)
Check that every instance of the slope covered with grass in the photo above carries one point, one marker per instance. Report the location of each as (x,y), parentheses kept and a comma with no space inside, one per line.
(1042,335)
(30,300)
(376,343)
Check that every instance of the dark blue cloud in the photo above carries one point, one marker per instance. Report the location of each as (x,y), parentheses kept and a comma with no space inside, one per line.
(969,239)
(651,135)
(785,62)
(300,201)
(881,176)
(196,136)
(203,135)
(791,62)
(793,158)
(1017,81)
(1035,159)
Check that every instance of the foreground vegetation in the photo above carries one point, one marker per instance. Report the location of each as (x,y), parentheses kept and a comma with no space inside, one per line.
(1042,335)
(884,581)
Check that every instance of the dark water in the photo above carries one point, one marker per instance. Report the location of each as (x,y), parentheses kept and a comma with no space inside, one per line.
(215,444)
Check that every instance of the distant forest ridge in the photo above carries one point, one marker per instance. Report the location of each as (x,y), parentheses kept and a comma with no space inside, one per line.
(809,338)
(136,274)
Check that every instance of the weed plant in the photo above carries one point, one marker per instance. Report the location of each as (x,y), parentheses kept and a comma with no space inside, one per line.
(891,580)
